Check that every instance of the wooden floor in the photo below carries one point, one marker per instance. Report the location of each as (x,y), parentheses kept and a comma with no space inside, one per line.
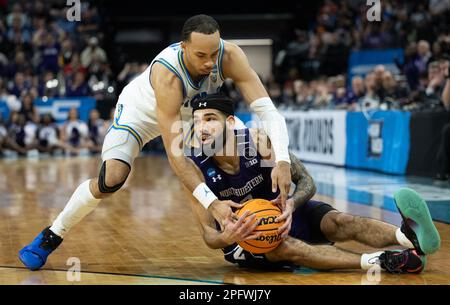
(145,234)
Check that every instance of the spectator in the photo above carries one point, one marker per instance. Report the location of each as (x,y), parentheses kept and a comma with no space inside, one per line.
(28,110)
(89,24)
(18,65)
(376,38)
(40,10)
(391,93)
(439,6)
(49,55)
(303,98)
(78,86)
(74,66)
(48,85)
(20,84)
(16,34)
(48,135)
(371,99)
(91,51)
(66,53)
(11,100)
(74,134)
(17,17)
(128,73)
(357,92)
(40,32)
(409,67)
(97,131)
(424,55)
(21,135)
(436,81)
(378,72)
(322,98)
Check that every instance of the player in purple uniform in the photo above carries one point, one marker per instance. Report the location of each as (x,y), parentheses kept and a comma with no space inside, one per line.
(236,165)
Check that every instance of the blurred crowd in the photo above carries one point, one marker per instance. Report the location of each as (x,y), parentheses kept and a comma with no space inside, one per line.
(28,134)
(310,72)
(43,55)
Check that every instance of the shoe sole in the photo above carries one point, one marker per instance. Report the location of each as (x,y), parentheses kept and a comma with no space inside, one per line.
(415,211)
(27,266)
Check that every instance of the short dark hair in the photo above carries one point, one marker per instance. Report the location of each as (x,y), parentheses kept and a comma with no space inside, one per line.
(201,24)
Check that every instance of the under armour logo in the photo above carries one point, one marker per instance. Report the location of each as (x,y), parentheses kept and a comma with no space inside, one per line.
(202,104)
(219,177)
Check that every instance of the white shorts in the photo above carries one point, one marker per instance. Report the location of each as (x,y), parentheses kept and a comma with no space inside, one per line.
(128,134)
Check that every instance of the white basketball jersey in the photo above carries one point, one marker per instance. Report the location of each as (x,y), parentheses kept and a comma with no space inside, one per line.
(139,92)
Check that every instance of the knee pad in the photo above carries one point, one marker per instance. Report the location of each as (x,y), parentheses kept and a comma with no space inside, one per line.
(103,188)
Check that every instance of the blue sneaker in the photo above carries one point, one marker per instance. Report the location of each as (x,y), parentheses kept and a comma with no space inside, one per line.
(417,224)
(34,255)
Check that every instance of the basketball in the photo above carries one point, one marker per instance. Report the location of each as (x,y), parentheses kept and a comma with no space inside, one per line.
(266,212)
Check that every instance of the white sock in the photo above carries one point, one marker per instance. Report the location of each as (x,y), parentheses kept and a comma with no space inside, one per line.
(369,260)
(80,204)
(403,240)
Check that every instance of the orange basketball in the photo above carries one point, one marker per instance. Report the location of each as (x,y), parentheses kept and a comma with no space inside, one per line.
(266,212)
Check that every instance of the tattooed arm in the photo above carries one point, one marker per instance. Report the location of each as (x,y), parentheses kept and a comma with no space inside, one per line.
(305,187)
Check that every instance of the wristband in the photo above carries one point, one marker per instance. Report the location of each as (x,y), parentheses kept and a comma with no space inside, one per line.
(204,195)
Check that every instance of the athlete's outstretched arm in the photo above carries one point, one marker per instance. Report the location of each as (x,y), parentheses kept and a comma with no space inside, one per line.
(169,96)
(305,187)
(232,232)
(236,66)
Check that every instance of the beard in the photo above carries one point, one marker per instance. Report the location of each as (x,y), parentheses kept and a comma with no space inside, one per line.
(217,145)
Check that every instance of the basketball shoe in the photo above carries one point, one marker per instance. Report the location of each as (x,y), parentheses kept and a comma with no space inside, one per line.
(406,261)
(417,224)
(34,255)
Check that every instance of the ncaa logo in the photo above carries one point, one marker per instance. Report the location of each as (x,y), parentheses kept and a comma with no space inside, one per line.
(211,172)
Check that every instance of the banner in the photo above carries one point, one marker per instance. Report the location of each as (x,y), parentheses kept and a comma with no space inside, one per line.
(59,107)
(379,142)
(317,136)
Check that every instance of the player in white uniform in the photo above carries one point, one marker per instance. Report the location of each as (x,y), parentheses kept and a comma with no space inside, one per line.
(156,103)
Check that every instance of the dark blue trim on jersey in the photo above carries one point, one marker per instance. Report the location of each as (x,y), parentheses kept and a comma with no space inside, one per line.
(221,51)
(186,72)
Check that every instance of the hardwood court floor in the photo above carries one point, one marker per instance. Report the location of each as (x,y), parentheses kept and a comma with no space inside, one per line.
(145,234)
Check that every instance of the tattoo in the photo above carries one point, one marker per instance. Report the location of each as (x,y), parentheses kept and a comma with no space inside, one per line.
(305,187)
